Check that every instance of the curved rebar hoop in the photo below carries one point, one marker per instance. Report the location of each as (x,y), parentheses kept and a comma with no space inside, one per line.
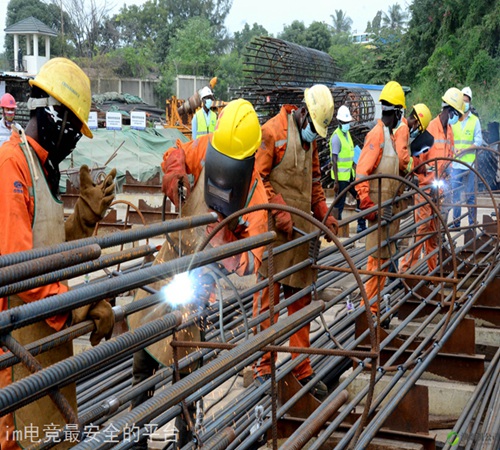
(374,343)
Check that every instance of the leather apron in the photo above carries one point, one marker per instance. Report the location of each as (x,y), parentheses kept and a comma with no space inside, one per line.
(389,164)
(48,229)
(189,239)
(292,178)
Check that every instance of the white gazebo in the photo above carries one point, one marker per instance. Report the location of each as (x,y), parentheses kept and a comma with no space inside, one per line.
(32,28)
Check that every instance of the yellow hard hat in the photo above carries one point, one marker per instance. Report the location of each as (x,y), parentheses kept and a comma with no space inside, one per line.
(454,98)
(237,132)
(63,80)
(424,115)
(393,93)
(319,102)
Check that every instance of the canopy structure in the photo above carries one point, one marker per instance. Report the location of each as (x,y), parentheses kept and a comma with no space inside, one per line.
(139,152)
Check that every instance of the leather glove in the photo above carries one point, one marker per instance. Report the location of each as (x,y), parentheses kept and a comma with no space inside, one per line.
(319,212)
(365,203)
(91,206)
(102,315)
(420,170)
(175,176)
(282,219)
(225,236)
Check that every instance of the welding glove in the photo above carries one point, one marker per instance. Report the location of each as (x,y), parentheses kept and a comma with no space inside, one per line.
(282,219)
(102,315)
(366,203)
(175,176)
(91,206)
(319,212)
(420,170)
(225,236)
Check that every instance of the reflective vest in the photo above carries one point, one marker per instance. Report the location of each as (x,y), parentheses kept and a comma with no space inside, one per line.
(464,138)
(202,127)
(345,157)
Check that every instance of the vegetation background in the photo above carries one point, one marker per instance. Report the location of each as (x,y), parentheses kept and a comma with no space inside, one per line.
(429,47)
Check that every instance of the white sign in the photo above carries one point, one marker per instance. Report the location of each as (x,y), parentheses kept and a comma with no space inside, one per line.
(138,120)
(92,122)
(113,121)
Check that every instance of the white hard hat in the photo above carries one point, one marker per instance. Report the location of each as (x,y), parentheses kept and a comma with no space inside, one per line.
(466,91)
(344,115)
(205,92)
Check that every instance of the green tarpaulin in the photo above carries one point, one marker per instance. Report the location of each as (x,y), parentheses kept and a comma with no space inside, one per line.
(140,152)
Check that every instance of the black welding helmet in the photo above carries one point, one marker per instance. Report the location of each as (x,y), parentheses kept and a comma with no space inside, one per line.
(422,143)
(230,157)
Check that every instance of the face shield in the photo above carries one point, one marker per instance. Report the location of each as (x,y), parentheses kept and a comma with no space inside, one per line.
(227,181)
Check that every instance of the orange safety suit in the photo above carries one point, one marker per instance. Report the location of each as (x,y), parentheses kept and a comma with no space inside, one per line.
(401,141)
(279,134)
(17,210)
(256,222)
(443,147)
(369,162)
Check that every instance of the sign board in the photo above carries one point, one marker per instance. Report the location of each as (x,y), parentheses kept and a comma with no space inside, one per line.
(92,122)
(138,120)
(113,121)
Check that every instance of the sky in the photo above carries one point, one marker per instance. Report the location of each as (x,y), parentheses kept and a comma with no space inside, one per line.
(274,14)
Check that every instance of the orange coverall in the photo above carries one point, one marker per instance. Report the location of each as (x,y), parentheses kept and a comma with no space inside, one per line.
(269,155)
(16,218)
(371,154)
(195,152)
(443,147)
(401,141)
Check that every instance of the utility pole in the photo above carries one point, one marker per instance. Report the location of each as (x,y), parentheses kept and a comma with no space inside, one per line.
(62,30)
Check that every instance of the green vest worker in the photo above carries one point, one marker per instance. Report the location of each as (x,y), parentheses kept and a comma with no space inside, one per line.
(205,119)
(343,165)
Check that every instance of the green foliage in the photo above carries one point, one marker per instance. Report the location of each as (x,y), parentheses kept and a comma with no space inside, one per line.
(229,74)
(243,37)
(192,48)
(341,22)
(318,36)
(295,32)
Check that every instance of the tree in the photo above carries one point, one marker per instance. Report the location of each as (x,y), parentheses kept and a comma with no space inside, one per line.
(395,18)
(341,22)
(87,18)
(295,32)
(318,36)
(375,25)
(243,37)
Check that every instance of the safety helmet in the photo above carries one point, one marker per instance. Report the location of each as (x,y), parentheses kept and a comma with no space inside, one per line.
(7,101)
(453,97)
(467,91)
(344,115)
(205,92)
(423,114)
(63,80)
(237,132)
(393,93)
(319,102)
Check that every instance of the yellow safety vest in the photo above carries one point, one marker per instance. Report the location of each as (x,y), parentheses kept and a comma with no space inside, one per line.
(464,138)
(345,157)
(202,127)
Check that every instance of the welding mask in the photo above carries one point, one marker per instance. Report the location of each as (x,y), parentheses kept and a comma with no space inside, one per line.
(227,181)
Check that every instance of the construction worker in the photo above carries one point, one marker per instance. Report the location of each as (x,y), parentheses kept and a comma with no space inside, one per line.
(204,119)
(31,215)
(288,163)
(9,106)
(379,156)
(343,170)
(225,180)
(466,133)
(441,129)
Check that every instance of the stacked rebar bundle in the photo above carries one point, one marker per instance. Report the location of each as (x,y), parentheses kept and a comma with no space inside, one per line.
(277,72)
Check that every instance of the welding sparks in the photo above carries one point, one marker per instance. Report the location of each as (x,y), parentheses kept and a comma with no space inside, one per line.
(438,184)
(180,290)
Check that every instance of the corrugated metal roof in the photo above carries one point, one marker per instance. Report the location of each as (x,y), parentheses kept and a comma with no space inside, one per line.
(31,25)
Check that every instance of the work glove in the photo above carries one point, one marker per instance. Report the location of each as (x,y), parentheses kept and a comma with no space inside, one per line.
(102,315)
(175,177)
(91,206)
(366,203)
(224,236)
(319,212)
(420,170)
(282,219)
